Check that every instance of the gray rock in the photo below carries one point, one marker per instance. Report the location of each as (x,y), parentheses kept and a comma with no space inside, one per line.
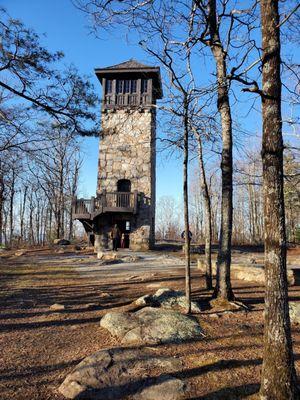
(166,388)
(294,312)
(146,300)
(104,295)
(132,277)
(57,307)
(61,242)
(168,298)
(107,256)
(119,323)
(122,374)
(214,315)
(20,252)
(90,306)
(131,259)
(151,325)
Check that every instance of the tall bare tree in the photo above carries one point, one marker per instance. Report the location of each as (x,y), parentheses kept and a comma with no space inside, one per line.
(207,215)
(278,379)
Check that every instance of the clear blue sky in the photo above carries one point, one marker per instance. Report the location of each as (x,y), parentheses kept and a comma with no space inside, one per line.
(65,28)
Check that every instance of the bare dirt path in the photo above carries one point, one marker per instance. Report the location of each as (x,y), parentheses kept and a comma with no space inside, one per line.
(39,346)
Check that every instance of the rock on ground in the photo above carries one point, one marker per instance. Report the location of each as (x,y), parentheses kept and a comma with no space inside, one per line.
(107,255)
(61,242)
(167,298)
(131,258)
(294,312)
(122,373)
(151,325)
(57,307)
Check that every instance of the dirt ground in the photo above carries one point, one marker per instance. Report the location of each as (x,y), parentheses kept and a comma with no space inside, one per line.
(39,347)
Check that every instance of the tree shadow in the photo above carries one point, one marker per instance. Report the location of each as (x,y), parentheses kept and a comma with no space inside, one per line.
(11,374)
(230,393)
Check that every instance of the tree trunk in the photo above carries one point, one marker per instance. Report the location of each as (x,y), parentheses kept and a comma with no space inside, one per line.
(11,206)
(22,213)
(186,211)
(278,379)
(73,195)
(31,230)
(1,203)
(223,284)
(207,215)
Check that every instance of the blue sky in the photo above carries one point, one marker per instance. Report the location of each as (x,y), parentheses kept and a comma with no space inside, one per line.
(65,28)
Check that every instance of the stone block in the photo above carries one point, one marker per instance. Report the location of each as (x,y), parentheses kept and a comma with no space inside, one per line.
(247,271)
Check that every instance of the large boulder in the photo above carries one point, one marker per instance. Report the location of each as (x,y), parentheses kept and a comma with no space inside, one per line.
(169,299)
(122,373)
(151,325)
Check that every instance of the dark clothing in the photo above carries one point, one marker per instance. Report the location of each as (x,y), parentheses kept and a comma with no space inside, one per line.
(183,235)
(115,244)
(115,233)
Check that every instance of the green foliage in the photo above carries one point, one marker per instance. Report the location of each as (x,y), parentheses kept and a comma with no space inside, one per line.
(31,74)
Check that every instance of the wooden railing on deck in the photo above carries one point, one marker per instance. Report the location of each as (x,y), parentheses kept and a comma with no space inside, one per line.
(107,201)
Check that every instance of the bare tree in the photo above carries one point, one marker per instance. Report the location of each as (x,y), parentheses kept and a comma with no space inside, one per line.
(208,216)
(167,218)
(278,374)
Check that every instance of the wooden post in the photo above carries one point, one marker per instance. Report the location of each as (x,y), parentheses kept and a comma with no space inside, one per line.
(104,92)
(114,91)
(139,92)
(92,204)
(149,91)
(135,206)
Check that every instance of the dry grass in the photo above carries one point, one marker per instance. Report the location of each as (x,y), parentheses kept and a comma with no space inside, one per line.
(39,347)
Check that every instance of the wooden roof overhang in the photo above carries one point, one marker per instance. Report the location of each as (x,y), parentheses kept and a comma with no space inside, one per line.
(130,69)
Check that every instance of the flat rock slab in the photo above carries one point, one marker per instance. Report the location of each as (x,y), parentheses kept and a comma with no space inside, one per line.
(169,299)
(151,325)
(248,271)
(121,373)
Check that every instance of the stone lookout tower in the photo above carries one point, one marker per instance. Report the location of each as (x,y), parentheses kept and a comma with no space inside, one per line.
(126,170)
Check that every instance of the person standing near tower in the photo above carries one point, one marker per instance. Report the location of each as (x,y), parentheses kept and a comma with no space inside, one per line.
(115,235)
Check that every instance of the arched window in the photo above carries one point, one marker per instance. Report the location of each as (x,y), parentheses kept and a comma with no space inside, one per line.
(124,185)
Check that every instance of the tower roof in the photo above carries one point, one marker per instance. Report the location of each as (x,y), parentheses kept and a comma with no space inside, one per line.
(130,67)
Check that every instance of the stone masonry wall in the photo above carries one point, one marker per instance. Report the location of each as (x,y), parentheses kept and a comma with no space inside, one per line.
(127,151)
